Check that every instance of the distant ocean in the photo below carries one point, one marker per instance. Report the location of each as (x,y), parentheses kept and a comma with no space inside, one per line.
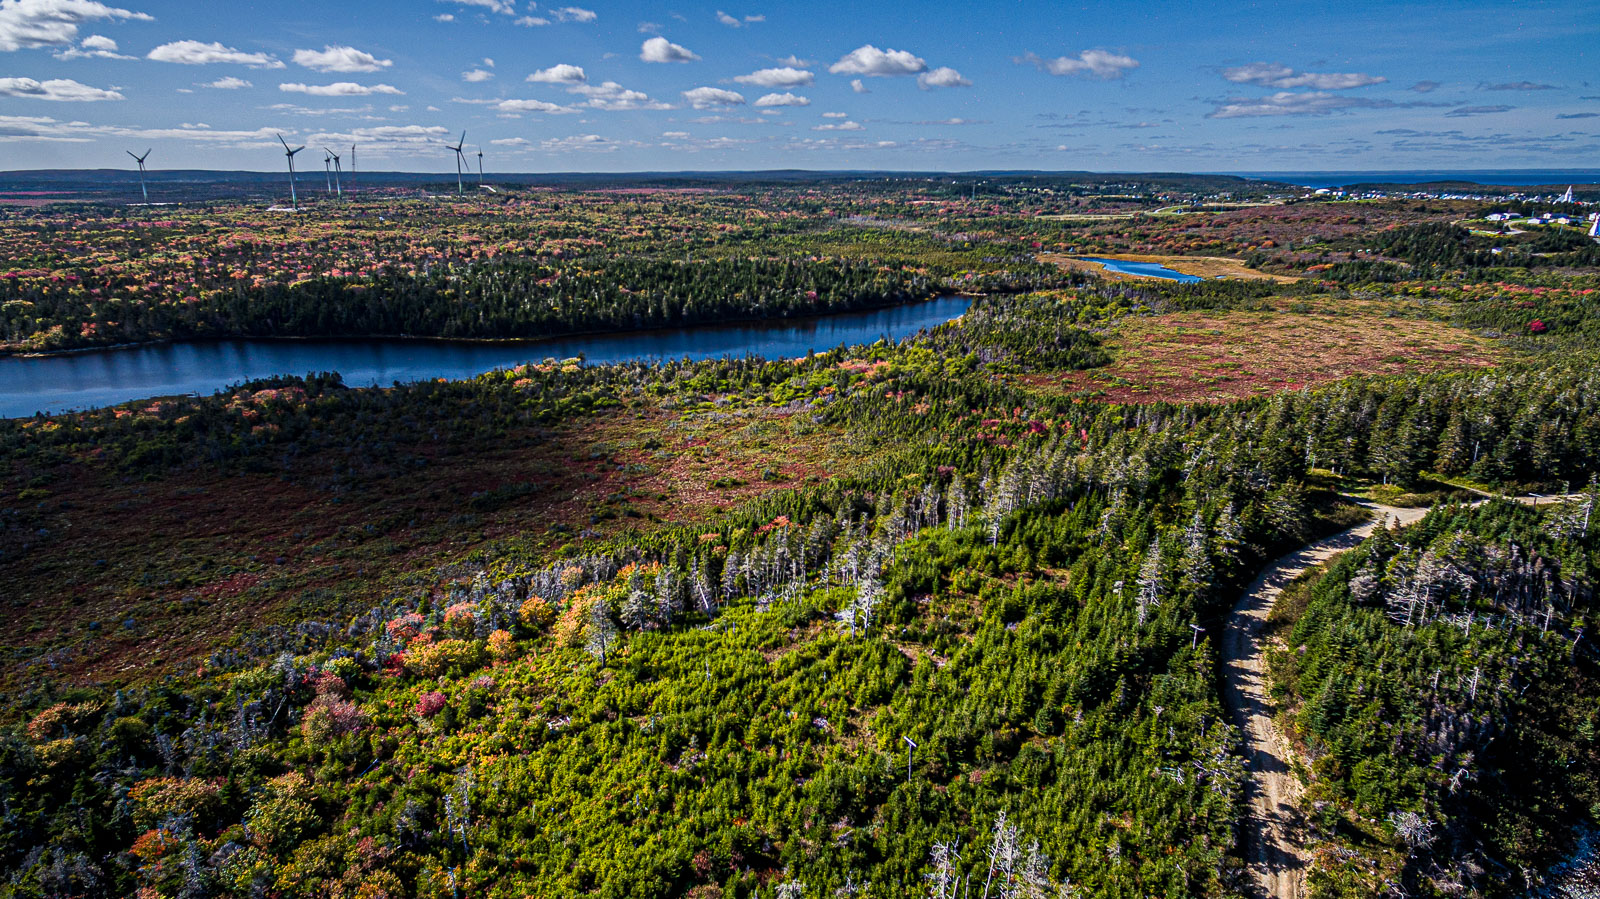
(1508,177)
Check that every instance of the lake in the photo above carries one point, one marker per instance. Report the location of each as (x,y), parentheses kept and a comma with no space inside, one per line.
(96,378)
(1143,269)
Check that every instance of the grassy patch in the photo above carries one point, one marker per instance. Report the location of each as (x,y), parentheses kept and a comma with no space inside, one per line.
(1215,357)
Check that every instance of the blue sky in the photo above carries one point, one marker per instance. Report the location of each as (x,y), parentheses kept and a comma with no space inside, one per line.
(746,84)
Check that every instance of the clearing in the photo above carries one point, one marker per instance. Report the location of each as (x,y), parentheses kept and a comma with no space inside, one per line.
(1221,356)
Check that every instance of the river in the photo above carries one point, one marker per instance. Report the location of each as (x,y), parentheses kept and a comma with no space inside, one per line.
(1142,269)
(57,383)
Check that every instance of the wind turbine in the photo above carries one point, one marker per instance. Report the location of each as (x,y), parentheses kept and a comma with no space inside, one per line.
(480,166)
(327,171)
(294,198)
(352,168)
(460,189)
(140,160)
(338,171)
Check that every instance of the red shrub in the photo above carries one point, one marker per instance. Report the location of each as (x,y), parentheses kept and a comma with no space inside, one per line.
(430,704)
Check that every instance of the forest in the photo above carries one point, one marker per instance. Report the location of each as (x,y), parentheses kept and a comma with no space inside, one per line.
(904,619)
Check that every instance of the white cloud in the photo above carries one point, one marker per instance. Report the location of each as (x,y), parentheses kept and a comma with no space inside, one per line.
(509,142)
(332,58)
(95,46)
(488,63)
(783,99)
(1273,74)
(944,76)
(1288,103)
(341,89)
(476,76)
(1090,63)
(381,138)
(859,86)
(649,28)
(196,53)
(444,17)
(15,128)
(869,60)
(26,24)
(659,49)
(532,106)
(712,97)
(675,135)
(613,97)
(786,76)
(577,142)
(364,112)
(841,126)
(736,22)
(44,129)
(58,90)
(836,115)
(504,7)
(229,83)
(574,14)
(532,21)
(560,73)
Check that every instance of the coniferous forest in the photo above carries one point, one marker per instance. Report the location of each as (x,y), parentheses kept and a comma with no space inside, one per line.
(939,617)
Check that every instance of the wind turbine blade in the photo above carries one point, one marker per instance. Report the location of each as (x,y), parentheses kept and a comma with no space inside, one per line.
(284,142)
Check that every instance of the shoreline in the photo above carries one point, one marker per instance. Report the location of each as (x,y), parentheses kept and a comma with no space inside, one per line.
(743,338)
(509,341)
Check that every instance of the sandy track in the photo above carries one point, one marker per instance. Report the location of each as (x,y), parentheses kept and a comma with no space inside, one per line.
(1272,841)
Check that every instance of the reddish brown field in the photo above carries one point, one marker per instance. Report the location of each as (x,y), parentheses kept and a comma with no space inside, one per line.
(162,572)
(1214,357)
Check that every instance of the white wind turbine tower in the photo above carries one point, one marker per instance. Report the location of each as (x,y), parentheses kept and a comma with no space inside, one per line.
(327,171)
(294,198)
(481,186)
(338,171)
(460,188)
(140,160)
(352,168)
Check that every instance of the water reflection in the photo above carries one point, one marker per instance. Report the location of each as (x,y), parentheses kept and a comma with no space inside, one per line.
(106,377)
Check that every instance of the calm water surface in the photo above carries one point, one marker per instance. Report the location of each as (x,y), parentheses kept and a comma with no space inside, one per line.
(1146,269)
(105,377)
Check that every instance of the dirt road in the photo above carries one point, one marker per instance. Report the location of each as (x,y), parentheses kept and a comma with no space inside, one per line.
(1274,846)
(1272,842)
